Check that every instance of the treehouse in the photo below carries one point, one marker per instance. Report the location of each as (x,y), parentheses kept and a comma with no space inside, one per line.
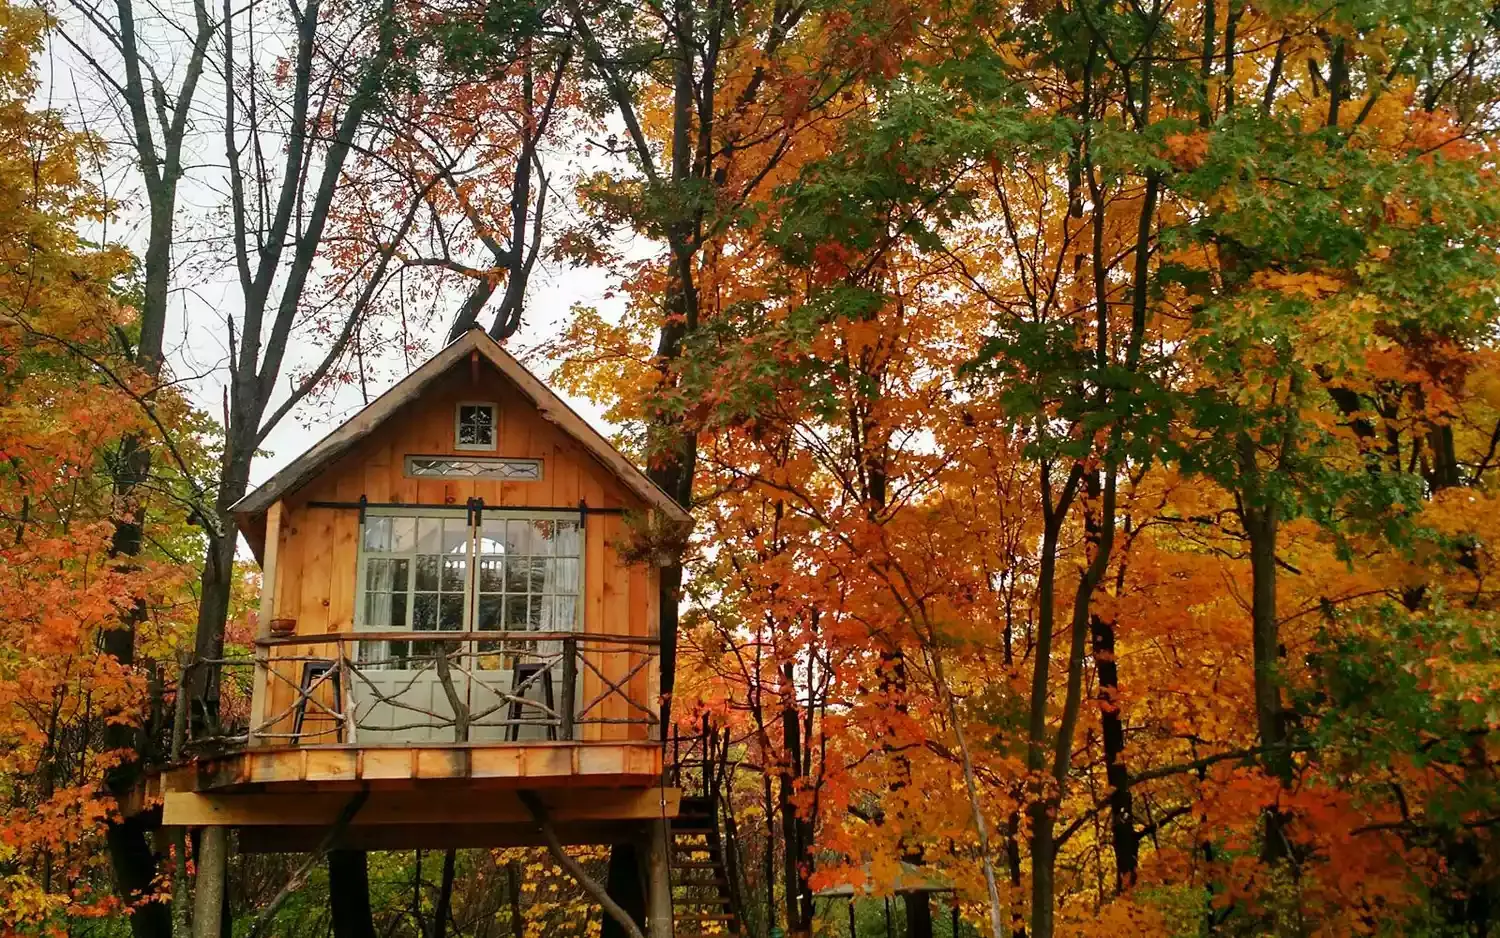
(456,623)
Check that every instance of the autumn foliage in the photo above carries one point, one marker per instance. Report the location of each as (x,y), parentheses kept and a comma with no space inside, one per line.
(1095,433)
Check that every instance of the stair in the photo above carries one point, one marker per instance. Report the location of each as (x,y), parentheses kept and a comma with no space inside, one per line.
(700,880)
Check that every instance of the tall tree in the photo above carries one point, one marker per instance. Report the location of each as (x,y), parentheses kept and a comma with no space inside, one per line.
(154,117)
(82,584)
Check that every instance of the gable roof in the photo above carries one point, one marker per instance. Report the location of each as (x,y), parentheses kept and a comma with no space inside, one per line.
(250,510)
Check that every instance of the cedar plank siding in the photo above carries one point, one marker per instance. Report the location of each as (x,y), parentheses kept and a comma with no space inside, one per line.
(319,547)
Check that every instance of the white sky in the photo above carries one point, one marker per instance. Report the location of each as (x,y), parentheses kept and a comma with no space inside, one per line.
(195,343)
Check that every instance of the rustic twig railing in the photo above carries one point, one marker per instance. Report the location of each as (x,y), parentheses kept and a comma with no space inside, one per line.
(355,688)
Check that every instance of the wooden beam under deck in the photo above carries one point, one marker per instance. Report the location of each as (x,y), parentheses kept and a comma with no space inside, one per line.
(436,836)
(534,765)
(322,809)
(405,820)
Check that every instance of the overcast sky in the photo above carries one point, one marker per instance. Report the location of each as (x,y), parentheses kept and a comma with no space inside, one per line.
(205,287)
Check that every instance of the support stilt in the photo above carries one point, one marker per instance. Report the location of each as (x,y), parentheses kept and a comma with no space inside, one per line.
(208,888)
(625,883)
(658,880)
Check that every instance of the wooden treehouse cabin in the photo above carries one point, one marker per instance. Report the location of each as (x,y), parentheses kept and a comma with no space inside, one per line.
(451,625)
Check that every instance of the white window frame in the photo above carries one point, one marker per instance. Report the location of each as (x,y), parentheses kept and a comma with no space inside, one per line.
(411,573)
(471,581)
(494,443)
(360,600)
(509,514)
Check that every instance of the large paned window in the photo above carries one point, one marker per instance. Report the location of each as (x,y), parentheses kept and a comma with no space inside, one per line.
(436,571)
(528,575)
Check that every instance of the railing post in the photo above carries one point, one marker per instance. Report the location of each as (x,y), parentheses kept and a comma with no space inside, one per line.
(260,686)
(260,681)
(569,681)
(346,691)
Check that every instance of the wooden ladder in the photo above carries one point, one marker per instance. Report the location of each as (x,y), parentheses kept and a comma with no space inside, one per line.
(700,878)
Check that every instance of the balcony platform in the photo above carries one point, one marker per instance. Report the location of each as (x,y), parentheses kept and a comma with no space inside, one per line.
(335,727)
(429,796)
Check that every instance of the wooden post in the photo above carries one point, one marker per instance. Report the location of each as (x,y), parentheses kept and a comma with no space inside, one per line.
(261,684)
(654,698)
(658,879)
(918,908)
(853,931)
(625,882)
(349,894)
(569,684)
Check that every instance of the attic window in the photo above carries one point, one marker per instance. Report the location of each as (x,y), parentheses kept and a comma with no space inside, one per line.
(474,426)
(476,467)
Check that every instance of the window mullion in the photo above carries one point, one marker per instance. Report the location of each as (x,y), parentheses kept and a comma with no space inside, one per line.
(471,581)
(411,590)
(359,580)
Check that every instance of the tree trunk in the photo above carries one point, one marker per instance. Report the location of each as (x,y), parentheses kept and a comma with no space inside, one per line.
(1039,810)
(1099,533)
(132,861)
(208,886)
(133,865)
(1260,523)
(730,849)
(1123,834)
(768,875)
(1043,868)
(349,894)
(796,843)
(1446,472)
(517,916)
(216,584)
(675,470)
(1013,868)
(444,908)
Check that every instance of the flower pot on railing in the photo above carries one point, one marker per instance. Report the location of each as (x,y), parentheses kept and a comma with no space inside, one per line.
(281,628)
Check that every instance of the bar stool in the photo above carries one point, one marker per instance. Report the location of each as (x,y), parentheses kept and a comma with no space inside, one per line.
(520,673)
(312,672)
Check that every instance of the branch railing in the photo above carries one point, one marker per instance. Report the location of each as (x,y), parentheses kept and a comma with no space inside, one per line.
(365,688)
